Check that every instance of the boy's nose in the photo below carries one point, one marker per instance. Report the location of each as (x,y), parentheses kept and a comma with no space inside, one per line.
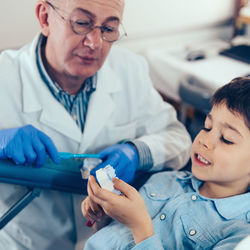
(206,141)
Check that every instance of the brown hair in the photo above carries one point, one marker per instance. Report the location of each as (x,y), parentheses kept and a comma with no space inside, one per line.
(236,96)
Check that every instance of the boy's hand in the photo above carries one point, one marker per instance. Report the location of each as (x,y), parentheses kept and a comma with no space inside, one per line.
(128,208)
(91,210)
(94,214)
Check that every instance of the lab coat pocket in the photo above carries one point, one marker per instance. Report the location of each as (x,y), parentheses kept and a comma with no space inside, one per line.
(197,237)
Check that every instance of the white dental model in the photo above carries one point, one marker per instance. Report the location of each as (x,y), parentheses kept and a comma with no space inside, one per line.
(104,177)
(88,165)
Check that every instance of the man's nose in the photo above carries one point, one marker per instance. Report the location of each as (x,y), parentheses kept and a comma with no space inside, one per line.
(93,39)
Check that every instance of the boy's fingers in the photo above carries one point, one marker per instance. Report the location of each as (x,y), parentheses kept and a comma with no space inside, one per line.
(92,216)
(98,194)
(125,188)
(89,206)
(92,184)
(93,190)
(95,208)
(87,213)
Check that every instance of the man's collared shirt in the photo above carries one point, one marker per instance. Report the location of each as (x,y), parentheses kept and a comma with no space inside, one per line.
(76,105)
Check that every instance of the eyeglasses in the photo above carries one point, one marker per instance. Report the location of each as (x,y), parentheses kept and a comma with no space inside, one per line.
(81,26)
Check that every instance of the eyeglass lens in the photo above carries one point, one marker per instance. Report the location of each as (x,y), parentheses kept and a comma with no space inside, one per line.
(82,24)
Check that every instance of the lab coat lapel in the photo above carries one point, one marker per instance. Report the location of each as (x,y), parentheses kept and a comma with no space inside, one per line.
(38,99)
(101,105)
(59,119)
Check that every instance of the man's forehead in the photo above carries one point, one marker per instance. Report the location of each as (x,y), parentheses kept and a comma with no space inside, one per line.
(115,4)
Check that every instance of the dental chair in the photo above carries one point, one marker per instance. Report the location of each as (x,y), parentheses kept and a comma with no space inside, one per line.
(196,97)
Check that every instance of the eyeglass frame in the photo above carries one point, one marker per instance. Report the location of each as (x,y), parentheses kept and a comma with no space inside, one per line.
(92,27)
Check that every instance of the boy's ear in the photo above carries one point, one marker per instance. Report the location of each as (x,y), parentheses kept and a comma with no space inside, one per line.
(42,16)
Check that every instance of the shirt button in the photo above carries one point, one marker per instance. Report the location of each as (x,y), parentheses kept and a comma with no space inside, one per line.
(74,117)
(194,197)
(192,232)
(152,194)
(248,216)
(163,217)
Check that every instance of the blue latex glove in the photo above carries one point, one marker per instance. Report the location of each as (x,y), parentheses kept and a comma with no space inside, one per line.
(27,145)
(123,158)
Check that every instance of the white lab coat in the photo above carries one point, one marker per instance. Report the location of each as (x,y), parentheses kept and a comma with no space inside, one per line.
(124,106)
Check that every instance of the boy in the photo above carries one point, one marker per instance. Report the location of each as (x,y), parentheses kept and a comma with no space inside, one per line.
(209,208)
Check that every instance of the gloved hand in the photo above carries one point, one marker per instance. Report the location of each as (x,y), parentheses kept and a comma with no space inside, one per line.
(27,145)
(123,158)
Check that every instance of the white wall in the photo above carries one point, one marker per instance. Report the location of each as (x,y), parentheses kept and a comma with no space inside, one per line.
(158,17)
(18,23)
(166,23)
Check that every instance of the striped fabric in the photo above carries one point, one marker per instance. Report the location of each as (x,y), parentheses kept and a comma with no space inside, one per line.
(76,105)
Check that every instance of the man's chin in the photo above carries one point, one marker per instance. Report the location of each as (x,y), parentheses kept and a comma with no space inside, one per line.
(79,73)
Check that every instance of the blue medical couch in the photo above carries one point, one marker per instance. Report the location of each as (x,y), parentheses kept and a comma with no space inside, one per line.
(65,177)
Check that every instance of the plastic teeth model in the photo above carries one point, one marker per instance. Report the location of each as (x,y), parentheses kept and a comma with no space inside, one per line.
(104,177)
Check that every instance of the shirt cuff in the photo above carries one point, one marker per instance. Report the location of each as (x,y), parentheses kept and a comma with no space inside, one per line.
(145,156)
(151,243)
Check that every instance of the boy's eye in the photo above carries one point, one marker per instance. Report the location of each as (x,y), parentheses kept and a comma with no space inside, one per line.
(226,141)
(206,129)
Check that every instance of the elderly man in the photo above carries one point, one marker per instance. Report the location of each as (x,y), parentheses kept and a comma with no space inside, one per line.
(69,91)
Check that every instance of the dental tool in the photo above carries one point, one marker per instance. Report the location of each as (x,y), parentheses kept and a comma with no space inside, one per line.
(67,155)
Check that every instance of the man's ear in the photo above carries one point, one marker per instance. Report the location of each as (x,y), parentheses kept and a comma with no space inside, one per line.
(42,16)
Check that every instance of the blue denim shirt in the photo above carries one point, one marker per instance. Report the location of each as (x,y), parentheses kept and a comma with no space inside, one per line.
(182,218)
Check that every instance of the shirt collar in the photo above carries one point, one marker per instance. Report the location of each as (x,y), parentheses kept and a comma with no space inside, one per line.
(186,176)
(230,207)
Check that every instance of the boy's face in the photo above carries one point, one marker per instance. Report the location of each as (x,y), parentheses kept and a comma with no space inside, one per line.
(221,151)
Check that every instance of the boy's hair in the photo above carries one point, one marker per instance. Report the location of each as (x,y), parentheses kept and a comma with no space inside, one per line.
(236,96)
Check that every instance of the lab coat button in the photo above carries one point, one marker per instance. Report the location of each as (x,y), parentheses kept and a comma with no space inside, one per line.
(163,217)
(194,197)
(152,194)
(75,117)
(192,232)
